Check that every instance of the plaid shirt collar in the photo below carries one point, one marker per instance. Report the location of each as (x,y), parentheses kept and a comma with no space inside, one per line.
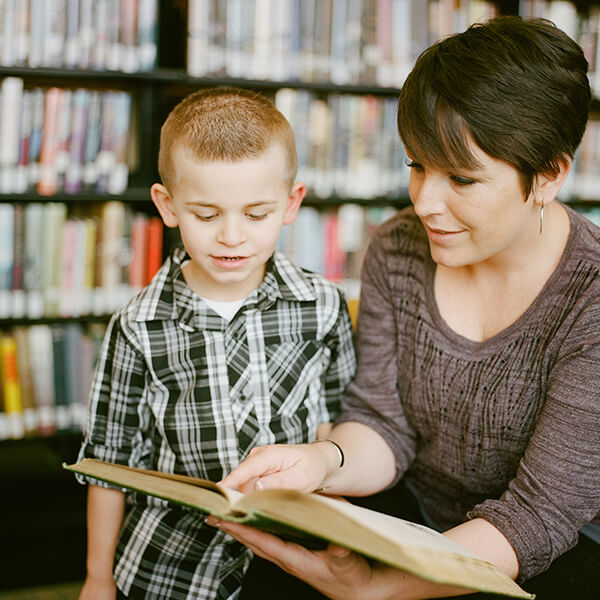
(168,297)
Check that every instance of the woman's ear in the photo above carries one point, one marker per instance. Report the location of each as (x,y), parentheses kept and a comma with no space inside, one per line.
(294,201)
(164,203)
(547,185)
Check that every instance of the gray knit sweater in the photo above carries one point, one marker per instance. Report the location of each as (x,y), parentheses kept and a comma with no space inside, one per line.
(507,429)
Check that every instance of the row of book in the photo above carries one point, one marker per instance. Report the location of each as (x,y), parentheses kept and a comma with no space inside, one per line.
(56,139)
(88,261)
(45,375)
(343,41)
(347,145)
(333,242)
(119,35)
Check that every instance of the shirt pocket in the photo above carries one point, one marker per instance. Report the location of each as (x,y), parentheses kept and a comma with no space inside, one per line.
(295,371)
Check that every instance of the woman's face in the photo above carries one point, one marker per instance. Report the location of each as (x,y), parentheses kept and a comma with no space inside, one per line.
(472,216)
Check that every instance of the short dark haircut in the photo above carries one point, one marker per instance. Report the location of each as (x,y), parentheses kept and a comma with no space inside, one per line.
(518,88)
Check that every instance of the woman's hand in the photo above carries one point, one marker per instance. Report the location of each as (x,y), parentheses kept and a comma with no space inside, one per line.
(301,467)
(335,572)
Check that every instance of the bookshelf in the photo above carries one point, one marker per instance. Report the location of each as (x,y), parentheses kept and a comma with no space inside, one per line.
(30,464)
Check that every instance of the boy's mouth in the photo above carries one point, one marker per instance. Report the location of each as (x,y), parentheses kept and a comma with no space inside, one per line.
(229,261)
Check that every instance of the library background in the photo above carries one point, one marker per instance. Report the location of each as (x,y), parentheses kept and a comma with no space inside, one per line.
(84,88)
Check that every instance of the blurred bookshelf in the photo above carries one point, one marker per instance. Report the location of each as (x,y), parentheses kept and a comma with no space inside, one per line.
(82,97)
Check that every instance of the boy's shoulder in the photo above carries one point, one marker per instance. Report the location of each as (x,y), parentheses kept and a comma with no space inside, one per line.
(155,300)
(297,283)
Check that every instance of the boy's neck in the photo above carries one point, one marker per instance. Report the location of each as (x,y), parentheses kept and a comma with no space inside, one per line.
(215,292)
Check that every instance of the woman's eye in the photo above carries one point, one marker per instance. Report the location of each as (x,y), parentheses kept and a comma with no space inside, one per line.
(462,181)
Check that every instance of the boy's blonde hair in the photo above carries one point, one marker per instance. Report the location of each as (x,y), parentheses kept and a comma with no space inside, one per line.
(224,124)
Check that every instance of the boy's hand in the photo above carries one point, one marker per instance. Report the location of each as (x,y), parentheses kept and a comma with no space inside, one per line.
(301,467)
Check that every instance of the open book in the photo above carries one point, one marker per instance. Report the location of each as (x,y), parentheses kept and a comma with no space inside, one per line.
(315,519)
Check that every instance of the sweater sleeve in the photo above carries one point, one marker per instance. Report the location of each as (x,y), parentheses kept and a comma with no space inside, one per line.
(556,489)
(372,398)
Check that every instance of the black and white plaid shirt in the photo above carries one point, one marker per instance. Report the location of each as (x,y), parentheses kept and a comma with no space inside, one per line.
(179,389)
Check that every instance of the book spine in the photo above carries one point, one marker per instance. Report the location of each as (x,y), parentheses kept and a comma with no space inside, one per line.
(55,23)
(11,95)
(147,34)
(155,249)
(100,48)
(25,373)
(139,249)
(7,23)
(13,407)
(128,36)
(71,55)
(61,399)
(86,35)
(47,184)
(21,173)
(40,345)
(198,38)
(33,260)
(118,176)
(74,169)
(21,33)
(18,294)
(7,223)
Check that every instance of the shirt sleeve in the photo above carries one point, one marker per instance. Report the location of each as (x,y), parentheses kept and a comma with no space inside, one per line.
(372,398)
(556,489)
(115,421)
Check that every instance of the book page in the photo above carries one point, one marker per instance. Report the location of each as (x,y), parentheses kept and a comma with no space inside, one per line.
(196,493)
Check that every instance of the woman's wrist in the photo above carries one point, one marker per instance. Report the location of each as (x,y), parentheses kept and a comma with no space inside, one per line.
(333,457)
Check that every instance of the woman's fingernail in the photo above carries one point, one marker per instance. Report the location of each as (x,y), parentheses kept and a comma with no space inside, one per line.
(212,521)
(258,485)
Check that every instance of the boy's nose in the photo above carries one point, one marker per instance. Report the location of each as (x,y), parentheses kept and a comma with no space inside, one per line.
(231,233)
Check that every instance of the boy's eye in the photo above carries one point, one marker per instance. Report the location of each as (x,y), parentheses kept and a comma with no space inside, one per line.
(257,216)
(206,217)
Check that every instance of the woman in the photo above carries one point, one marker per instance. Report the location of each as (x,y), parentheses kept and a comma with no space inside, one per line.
(478,336)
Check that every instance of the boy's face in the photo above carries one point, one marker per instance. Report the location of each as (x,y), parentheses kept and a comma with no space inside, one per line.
(229,215)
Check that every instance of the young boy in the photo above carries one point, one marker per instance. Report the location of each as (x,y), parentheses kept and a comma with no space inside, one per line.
(229,347)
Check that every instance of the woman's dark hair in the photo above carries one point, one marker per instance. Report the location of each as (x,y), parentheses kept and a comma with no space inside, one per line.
(518,88)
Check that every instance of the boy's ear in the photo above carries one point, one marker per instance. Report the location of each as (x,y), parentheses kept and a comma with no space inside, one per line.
(294,201)
(547,185)
(163,202)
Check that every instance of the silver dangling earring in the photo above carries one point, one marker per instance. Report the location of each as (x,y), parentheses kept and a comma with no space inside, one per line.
(541,218)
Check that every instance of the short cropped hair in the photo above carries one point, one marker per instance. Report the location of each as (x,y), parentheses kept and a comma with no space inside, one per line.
(518,88)
(224,124)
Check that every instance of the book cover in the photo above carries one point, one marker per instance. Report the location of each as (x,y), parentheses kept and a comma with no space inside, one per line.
(314,520)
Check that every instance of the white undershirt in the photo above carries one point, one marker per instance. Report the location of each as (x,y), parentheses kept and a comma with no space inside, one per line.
(227,309)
